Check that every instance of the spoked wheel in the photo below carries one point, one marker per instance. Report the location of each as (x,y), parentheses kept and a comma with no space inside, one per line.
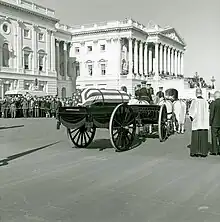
(163,123)
(81,137)
(122,127)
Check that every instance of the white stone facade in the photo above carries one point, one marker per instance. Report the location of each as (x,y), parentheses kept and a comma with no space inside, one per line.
(35,46)
(124,53)
(27,44)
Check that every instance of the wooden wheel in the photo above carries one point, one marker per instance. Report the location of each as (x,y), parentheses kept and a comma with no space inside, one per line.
(162,123)
(81,137)
(122,127)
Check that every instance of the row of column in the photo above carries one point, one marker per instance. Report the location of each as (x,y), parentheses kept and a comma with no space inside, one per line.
(155,58)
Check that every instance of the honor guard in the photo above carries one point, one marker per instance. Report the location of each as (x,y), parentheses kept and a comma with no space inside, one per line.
(137,91)
(150,88)
(145,93)
(160,93)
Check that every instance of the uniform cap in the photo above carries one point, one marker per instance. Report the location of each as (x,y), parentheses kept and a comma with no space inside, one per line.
(143,82)
(139,85)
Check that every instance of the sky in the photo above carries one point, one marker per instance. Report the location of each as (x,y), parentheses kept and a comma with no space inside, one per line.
(197,21)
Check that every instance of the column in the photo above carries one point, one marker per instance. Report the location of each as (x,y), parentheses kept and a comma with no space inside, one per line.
(156,60)
(141,58)
(48,50)
(53,53)
(135,56)
(65,59)
(179,63)
(165,59)
(168,59)
(176,62)
(19,46)
(145,58)
(58,57)
(150,60)
(34,48)
(171,61)
(182,63)
(130,62)
(96,66)
(161,58)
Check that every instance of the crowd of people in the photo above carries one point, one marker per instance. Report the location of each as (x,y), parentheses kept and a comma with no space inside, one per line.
(32,106)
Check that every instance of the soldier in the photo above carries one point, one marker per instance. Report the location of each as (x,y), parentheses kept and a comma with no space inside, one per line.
(160,93)
(137,91)
(150,88)
(145,93)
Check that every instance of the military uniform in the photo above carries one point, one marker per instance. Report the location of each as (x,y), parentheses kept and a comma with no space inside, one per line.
(160,93)
(137,91)
(145,93)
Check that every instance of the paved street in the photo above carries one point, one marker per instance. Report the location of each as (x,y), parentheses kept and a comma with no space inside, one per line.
(44,179)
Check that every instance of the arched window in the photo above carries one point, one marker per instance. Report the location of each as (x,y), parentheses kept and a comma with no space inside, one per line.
(41,60)
(5,55)
(27,59)
(63,92)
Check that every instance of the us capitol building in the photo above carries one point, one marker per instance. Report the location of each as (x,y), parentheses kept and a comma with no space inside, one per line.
(39,53)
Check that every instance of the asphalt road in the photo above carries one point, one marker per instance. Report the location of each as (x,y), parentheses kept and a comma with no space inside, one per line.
(44,179)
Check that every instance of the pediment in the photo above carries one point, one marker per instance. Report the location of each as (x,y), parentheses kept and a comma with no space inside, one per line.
(172,34)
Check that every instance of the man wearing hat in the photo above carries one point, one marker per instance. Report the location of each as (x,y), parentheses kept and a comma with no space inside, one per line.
(199,115)
(145,93)
(137,91)
(160,93)
(150,89)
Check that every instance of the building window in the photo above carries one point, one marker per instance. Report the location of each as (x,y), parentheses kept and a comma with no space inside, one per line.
(102,47)
(63,92)
(89,48)
(103,69)
(41,36)
(90,69)
(41,86)
(77,69)
(5,55)
(76,50)
(27,59)
(5,28)
(26,33)
(41,62)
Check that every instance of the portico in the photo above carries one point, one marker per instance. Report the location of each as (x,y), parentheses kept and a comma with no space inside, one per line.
(154,59)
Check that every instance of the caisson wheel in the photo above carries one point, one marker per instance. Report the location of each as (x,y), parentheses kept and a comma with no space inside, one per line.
(122,127)
(81,137)
(163,123)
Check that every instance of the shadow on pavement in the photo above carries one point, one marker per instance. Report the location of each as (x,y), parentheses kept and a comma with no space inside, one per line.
(6,161)
(103,144)
(10,127)
(100,144)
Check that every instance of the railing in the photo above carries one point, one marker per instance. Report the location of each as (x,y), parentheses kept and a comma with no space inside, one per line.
(105,25)
(32,6)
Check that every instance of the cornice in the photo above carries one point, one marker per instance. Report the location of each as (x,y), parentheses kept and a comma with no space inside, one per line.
(29,11)
(100,31)
(166,37)
(106,30)
(63,31)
